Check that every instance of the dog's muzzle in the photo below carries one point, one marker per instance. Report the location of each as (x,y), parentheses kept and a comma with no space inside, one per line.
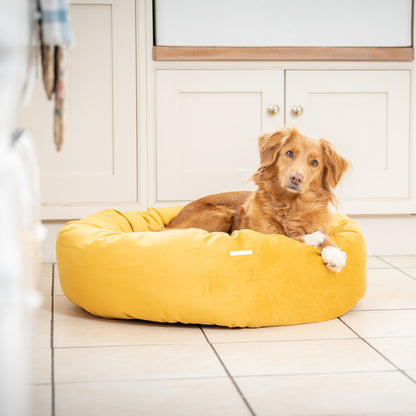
(295,180)
(292,187)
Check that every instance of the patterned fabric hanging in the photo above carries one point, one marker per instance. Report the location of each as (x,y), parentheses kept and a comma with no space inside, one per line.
(55,38)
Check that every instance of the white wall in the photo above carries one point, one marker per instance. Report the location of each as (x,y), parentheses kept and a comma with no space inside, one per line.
(283,23)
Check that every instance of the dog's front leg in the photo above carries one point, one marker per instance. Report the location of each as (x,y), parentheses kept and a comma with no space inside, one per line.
(333,258)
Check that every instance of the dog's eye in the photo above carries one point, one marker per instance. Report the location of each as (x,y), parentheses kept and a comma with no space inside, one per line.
(314,163)
(289,153)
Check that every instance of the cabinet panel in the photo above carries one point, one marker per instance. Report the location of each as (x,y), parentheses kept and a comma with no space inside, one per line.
(97,163)
(208,122)
(366,115)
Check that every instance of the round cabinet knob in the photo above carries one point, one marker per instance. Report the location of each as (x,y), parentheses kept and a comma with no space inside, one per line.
(273,109)
(296,110)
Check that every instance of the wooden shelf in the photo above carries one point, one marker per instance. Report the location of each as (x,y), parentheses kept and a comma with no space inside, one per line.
(214,53)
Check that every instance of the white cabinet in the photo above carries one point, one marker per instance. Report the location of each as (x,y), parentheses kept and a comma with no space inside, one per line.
(98,161)
(208,122)
(366,115)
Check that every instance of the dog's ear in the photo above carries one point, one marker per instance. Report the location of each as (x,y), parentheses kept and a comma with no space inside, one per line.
(334,164)
(270,145)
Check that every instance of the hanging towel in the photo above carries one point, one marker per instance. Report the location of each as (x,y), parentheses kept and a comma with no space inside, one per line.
(48,69)
(56,28)
(55,39)
(60,87)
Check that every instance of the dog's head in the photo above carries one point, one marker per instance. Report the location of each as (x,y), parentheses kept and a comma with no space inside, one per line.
(295,164)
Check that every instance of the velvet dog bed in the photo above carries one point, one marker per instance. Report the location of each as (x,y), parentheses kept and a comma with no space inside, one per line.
(117,265)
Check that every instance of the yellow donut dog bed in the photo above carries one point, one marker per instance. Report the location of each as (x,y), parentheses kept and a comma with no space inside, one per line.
(114,265)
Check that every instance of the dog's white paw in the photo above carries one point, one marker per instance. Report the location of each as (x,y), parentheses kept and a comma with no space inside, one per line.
(315,239)
(333,258)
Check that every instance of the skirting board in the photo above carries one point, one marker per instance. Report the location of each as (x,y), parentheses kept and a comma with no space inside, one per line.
(384,235)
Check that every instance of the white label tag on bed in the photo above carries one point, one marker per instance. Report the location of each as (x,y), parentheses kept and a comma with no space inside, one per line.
(240,253)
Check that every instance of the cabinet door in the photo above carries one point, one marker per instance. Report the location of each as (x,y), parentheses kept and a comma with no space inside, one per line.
(208,122)
(365,114)
(97,163)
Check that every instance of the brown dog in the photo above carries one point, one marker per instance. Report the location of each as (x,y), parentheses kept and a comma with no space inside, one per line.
(295,181)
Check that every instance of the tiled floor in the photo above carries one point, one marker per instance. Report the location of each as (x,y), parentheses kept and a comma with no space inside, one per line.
(363,363)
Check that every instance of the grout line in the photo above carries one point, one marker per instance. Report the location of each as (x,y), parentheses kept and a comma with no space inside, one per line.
(391,337)
(382,309)
(282,340)
(228,373)
(170,344)
(379,268)
(73,347)
(316,373)
(407,274)
(378,352)
(156,379)
(142,379)
(400,269)
(411,378)
(52,340)
(385,261)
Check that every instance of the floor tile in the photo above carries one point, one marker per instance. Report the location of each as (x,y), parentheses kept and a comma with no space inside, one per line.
(388,323)
(45,279)
(401,261)
(320,330)
(199,397)
(330,394)
(401,351)
(300,357)
(65,309)
(388,289)
(41,333)
(41,400)
(376,263)
(46,269)
(57,283)
(410,272)
(44,312)
(412,374)
(137,362)
(40,371)
(91,331)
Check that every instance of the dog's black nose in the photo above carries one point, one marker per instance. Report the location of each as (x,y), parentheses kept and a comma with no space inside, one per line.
(296,178)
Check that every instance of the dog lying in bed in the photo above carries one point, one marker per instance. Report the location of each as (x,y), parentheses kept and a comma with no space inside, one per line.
(295,183)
